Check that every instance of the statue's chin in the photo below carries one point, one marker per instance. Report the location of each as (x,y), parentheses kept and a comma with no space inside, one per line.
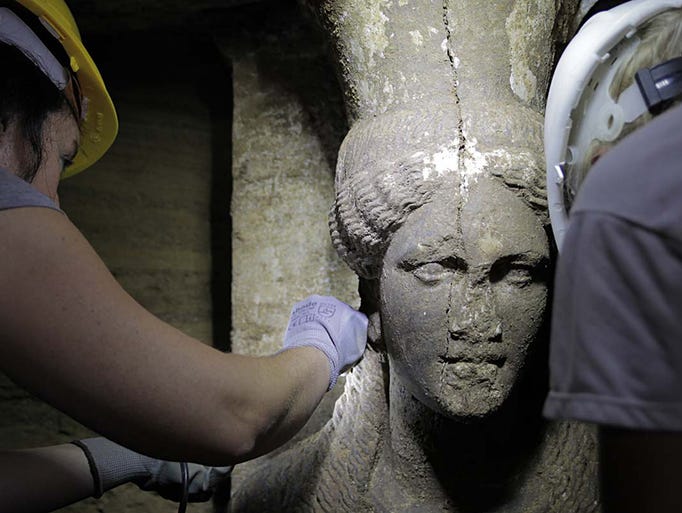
(466,391)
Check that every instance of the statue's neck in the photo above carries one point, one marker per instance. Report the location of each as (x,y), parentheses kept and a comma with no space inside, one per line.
(449,461)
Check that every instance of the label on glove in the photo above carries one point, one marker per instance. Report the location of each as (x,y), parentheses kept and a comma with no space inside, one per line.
(310,312)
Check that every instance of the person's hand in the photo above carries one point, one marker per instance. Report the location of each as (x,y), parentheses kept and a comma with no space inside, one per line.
(112,465)
(331,326)
(165,478)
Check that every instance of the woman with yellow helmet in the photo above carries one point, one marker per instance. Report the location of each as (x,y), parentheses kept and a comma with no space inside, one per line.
(73,337)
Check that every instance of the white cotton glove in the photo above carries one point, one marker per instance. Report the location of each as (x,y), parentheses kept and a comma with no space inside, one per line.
(331,326)
(112,465)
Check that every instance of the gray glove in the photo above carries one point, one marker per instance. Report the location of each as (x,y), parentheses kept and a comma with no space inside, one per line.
(332,327)
(112,465)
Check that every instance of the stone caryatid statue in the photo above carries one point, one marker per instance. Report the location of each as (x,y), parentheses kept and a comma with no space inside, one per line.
(443,414)
(440,209)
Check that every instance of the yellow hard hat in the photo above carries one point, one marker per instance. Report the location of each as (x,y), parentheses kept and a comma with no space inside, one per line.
(100,123)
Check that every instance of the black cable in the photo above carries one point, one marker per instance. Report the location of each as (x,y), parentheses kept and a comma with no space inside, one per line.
(184,472)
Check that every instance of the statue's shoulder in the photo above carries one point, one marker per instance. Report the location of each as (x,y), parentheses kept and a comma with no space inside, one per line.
(330,470)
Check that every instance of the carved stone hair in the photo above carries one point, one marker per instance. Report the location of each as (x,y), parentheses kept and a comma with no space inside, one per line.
(390,166)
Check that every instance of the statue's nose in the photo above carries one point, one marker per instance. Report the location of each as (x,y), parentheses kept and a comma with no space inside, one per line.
(473,317)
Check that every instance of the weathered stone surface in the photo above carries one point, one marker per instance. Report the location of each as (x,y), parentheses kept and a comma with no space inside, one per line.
(288,125)
(461,289)
(389,53)
(439,194)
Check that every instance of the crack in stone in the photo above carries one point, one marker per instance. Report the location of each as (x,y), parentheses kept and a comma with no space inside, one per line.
(455,74)
(445,360)
(462,145)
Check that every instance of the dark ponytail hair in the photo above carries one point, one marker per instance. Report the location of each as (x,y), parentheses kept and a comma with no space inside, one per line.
(27,96)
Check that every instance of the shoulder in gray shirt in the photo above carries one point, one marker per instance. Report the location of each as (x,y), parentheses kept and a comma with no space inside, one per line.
(16,193)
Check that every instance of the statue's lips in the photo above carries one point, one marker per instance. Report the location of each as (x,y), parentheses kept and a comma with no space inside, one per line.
(462,374)
(473,364)
(495,354)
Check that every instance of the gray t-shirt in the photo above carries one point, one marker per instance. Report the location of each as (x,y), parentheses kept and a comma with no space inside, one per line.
(16,193)
(616,344)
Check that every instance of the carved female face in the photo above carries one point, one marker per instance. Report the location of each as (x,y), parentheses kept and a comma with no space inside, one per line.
(463,293)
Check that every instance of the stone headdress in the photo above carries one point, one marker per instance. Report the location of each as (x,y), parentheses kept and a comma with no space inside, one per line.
(391,165)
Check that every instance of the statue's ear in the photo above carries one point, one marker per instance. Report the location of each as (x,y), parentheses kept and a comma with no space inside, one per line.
(374,331)
(369,295)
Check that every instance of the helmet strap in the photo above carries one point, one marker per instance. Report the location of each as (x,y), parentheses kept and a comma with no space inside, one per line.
(15,32)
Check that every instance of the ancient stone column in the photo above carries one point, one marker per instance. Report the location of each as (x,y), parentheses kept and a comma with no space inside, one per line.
(440,209)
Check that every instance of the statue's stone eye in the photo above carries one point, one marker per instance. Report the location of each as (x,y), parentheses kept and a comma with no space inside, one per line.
(431,272)
(518,274)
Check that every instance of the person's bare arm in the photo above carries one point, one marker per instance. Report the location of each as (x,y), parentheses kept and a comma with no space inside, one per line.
(62,472)
(75,338)
(640,470)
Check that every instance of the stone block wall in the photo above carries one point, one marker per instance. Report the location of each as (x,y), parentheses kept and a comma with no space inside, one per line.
(288,125)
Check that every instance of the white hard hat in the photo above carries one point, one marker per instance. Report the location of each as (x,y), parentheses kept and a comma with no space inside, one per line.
(579,106)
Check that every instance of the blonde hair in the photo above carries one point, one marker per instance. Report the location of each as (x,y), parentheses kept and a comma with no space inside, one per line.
(660,40)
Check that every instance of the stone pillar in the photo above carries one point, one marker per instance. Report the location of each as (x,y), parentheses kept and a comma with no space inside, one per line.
(288,125)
